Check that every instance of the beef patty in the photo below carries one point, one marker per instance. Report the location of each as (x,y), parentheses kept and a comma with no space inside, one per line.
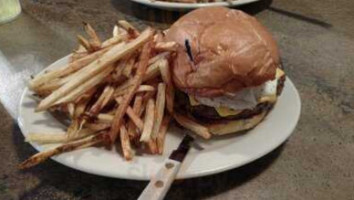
(206,113)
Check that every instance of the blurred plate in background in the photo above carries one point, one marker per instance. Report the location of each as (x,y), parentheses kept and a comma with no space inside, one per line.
(188,6)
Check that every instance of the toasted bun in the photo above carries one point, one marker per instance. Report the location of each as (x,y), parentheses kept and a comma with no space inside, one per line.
(230,49)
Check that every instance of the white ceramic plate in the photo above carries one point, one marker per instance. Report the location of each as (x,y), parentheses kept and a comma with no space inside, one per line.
(220,154)
(189,6)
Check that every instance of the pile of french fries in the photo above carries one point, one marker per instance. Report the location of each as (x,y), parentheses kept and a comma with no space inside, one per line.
(117,91)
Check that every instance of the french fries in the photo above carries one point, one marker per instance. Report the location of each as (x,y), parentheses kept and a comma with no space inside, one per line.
(102,100)
(132,115)
(137,107)
(162,133)
(95,42)
(160,108)
(190,124)
(42,156)
(57,137)
(105,118)
(137,80)
(152,145)
(98,126)
(152,72)
(85,43)
(108,58)
(166,46)
(71,109)
(125,142)
(129,27)
(166,77)
(115,31)
(142,88)
(118,91)
(149,121)
(128,68)
(81,89)
(159,56)
(66,70)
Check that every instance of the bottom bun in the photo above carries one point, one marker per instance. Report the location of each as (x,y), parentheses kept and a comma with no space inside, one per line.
(232,126)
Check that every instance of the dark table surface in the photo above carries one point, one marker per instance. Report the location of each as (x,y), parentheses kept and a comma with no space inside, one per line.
(316,39)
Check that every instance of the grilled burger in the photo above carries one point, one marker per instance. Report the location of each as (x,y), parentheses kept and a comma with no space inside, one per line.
(227,69)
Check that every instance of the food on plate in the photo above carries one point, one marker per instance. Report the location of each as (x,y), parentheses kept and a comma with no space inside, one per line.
(215,71)
(194,1)
(227,69)
(117,91)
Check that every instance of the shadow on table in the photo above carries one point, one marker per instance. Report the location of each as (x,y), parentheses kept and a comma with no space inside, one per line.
(154,15)
(56,179)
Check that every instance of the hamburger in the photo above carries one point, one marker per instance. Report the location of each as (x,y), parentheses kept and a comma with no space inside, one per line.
(227,69)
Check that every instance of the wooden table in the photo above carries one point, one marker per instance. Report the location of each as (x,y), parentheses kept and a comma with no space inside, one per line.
(316,39)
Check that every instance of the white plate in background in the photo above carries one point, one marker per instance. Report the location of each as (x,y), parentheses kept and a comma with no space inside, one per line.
(188,6)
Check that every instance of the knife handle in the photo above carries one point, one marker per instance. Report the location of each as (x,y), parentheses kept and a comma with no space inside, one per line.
(160,184)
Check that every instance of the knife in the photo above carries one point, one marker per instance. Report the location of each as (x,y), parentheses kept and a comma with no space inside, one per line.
(162,181)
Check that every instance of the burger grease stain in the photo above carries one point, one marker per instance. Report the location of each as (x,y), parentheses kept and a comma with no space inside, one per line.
(188,48)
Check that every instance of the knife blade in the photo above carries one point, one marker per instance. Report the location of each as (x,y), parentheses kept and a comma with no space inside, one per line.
(162,181)
(180,153)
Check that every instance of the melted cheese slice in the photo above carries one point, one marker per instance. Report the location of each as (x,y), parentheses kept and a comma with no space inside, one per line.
(279,73)
(224,111)
(193,101)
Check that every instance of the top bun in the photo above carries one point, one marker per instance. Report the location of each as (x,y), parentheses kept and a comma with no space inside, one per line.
(230,50)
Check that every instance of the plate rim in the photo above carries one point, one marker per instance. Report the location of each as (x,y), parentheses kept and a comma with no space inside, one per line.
(191,174)
(189,6)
